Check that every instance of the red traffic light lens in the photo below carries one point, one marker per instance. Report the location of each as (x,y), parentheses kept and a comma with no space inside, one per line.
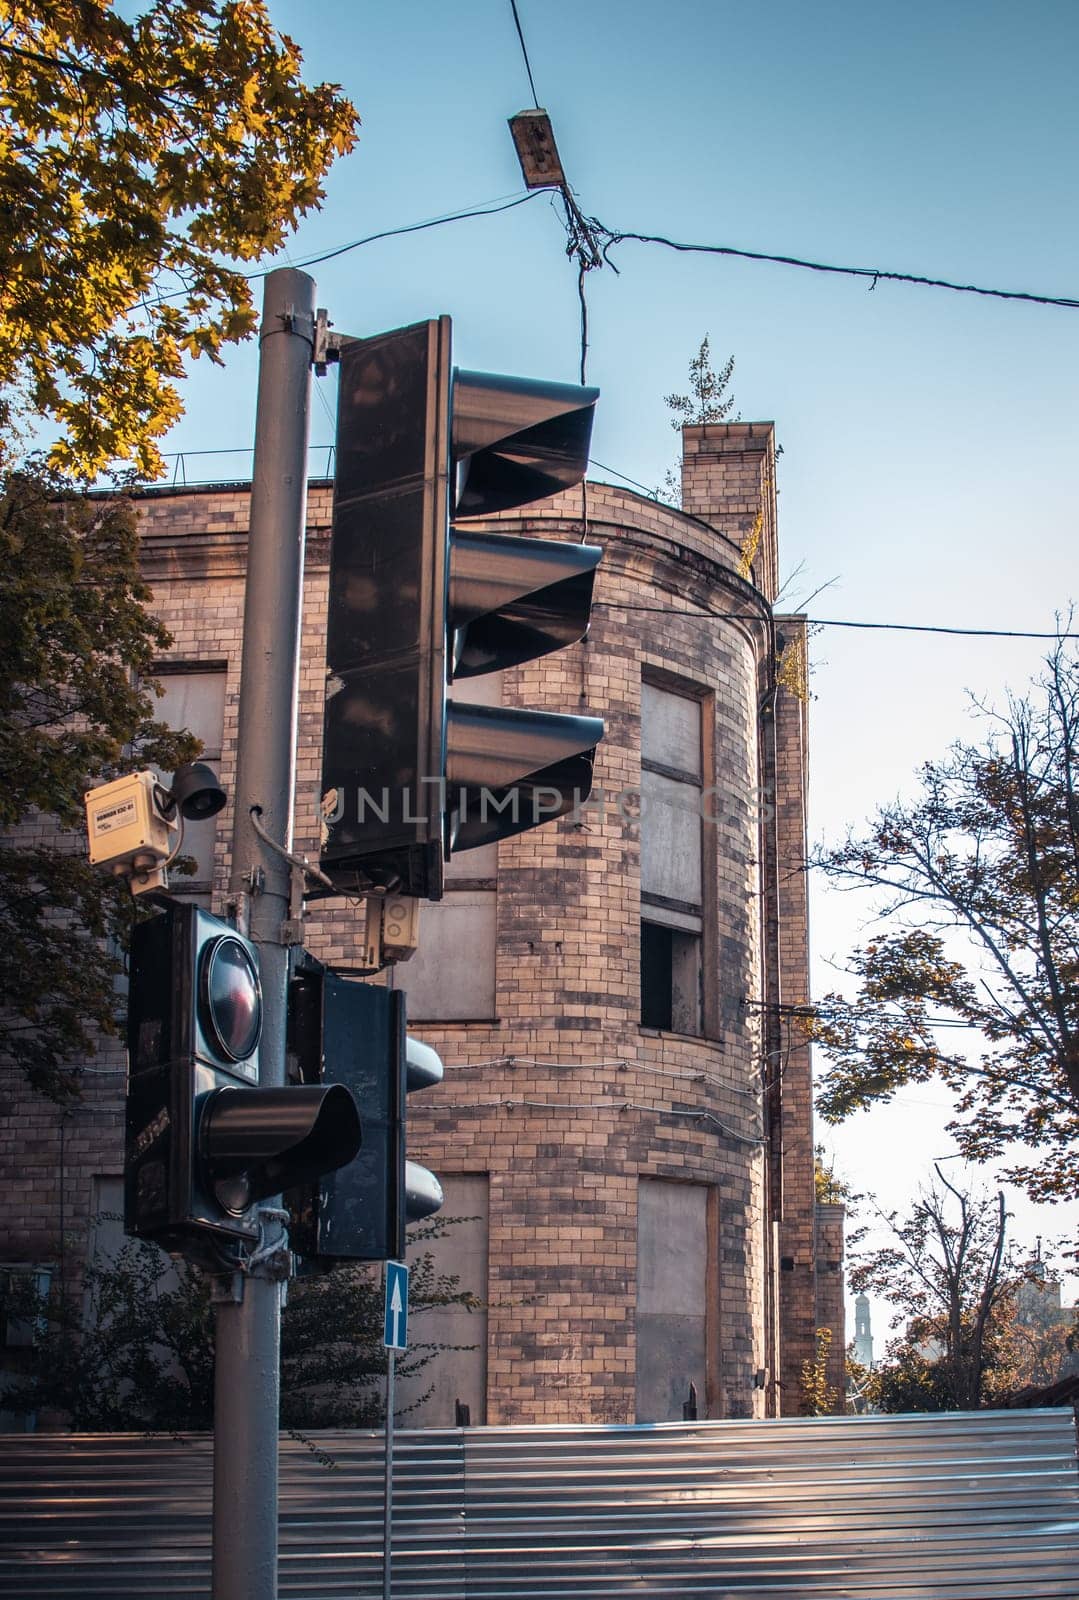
(231,998)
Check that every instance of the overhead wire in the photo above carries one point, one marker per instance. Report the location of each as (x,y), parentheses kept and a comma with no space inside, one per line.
(597,240)
(619,1063)
(524,52)
(814,1009)
(604,239)
(582,247)
(877,275)
(414,227)
(603,467)
(837,622)
(467,215)
(734,616)
(512,1102)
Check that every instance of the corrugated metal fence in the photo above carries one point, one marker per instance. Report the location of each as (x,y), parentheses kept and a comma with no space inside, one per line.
(982,1506)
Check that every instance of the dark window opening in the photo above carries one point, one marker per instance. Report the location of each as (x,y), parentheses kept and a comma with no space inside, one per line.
(670,979)
(655,976)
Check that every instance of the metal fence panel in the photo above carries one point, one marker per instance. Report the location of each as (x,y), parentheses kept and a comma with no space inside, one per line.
(976,1506)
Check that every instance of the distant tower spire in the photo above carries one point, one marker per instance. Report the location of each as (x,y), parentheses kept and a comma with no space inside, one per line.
(863,1333)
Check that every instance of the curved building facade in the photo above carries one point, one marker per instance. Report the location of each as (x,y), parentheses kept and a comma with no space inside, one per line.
(625,1117)
(624,1129)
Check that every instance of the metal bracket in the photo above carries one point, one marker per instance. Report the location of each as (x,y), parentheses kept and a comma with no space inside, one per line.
(227,1290)
(299,322)
(327,345)
(238,912)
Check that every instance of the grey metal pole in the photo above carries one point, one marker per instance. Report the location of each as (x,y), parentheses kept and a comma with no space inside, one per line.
(387,1506)
(248,1327)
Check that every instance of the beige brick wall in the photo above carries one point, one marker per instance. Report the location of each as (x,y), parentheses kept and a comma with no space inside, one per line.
(564,1100)
(831,1310)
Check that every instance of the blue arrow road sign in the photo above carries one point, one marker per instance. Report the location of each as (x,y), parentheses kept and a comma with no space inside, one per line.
(395,1335)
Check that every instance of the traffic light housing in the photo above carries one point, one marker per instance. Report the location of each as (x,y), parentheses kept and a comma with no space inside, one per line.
(415,603)
(353,1034)
(203,1143)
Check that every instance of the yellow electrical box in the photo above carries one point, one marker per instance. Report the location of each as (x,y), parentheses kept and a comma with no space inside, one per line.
(125,823)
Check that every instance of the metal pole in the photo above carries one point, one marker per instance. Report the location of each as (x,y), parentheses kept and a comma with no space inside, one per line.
(387,1521)
(248,1338)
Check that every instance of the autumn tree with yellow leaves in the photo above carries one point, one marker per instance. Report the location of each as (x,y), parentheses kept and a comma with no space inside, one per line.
(143,162)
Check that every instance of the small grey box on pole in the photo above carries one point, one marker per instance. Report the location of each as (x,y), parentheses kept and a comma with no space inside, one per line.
(248,1320)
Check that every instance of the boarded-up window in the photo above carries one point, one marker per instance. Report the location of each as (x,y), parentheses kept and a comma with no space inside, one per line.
(451,978)
(672,866)
(194,699)
(457,1377)
(672,1310)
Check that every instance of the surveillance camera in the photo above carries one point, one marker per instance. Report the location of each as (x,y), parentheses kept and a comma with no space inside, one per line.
(130,829)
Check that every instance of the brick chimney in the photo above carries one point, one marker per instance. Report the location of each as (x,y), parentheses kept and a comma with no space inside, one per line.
(729,480)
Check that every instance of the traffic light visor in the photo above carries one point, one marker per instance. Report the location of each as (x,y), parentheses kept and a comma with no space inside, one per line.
(513,599)
(256,1142)
(514,440)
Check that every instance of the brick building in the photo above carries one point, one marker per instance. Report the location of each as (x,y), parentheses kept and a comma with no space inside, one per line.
(625,1124)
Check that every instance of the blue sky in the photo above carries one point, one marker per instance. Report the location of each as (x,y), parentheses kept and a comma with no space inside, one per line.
(929,437)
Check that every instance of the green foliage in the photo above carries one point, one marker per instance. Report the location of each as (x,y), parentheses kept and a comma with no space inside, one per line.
(977,882)
(907,1380)
(332,1356)
(915,1377)
(856,1377)
(707,400)
(1038,1343)
(828,1189)
(977,1322)
(136,1351)
(77,642)
(134,156)
(819,1398)
(949,1276)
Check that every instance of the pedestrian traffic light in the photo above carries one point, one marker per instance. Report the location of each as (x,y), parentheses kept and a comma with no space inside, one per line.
(353,1034)
(204,1145)
(408,776)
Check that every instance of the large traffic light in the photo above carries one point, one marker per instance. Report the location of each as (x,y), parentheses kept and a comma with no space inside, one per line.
(203,1143)
(353,1034)
(414,603)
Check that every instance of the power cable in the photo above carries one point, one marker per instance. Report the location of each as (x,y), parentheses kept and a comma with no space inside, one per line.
(814,1010)
(836,622)
(721,616)
(611,237)
(415,227)
(524,52)
(358,244)
(875,274)
(512,1103)
(623,475)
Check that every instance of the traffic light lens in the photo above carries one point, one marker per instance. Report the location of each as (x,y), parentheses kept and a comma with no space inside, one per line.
(232,998)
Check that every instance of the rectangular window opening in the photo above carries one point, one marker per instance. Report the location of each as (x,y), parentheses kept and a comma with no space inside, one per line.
(670,979)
